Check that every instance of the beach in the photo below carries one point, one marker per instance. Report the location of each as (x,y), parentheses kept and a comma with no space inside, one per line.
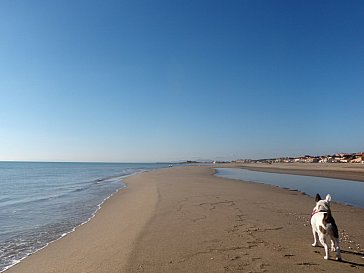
(185,219)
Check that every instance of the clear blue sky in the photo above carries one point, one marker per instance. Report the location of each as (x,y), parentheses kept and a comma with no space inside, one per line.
(141,81)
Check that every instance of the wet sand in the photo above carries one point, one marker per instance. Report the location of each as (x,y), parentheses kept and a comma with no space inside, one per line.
(186,219)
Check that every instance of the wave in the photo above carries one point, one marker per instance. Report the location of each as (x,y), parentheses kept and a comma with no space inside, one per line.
(7,202)
(72,229)
(26,254)
(70,192)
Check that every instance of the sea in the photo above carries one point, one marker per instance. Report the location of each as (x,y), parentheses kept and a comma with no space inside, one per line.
(41,202)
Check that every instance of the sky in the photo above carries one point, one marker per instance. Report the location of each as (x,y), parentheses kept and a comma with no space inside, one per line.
(153,81)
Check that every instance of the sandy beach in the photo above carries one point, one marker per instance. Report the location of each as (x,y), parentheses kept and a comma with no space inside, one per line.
(185,220)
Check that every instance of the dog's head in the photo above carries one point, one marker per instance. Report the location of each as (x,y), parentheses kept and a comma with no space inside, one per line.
(322,204)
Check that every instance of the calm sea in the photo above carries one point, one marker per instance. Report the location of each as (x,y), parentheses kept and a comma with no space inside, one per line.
(42,202)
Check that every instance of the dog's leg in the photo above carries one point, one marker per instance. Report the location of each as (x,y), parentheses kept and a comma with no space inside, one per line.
(333,245)
(323,242)
(337,248)
(314,237)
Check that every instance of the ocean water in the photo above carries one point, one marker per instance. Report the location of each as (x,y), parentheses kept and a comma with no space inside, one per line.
(342,191)
(42,202)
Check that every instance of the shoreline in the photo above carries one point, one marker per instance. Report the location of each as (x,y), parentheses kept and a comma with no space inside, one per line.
(186,219)
(84,249)
(14,252)
(99,206)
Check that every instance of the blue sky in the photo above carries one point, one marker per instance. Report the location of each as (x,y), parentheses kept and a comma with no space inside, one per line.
(142,81)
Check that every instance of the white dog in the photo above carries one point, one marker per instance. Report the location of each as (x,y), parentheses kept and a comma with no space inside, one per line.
(324,226)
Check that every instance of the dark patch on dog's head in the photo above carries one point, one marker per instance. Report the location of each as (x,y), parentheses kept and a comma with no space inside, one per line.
(322,205)
(318,198)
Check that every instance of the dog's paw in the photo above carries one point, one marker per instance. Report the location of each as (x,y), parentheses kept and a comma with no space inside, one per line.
(326,257)
(314,244)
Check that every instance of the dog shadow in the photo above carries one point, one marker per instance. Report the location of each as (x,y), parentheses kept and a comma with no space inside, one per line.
(348,252)
(352,253)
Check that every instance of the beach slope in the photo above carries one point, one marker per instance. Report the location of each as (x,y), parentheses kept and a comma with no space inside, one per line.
(105,242)
(186,219)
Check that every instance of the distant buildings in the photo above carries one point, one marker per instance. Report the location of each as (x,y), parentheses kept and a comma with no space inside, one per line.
(336,158)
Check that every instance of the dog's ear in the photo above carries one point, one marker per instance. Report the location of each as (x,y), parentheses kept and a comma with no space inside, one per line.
(318,198)
(328,198)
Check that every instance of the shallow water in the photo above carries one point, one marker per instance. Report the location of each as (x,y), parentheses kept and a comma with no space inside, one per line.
(343,191)
(42,202)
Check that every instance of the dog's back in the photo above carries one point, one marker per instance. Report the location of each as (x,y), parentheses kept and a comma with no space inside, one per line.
(323,226)
(321,222)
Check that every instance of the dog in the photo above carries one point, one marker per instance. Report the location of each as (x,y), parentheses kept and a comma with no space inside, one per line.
(324,226)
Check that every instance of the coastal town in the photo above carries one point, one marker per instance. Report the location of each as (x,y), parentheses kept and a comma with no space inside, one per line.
(336,158)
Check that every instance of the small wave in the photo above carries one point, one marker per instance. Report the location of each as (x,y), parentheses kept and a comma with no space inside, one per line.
(13,262)
(45,235)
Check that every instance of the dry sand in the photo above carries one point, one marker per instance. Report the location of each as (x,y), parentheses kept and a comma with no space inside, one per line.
(186,220)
